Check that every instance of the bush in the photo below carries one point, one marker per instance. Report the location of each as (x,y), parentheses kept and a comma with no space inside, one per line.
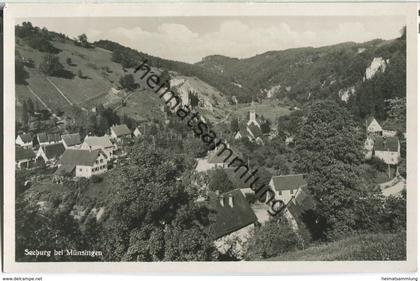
(272,239)
(378,164)
(96,179)
(127,82)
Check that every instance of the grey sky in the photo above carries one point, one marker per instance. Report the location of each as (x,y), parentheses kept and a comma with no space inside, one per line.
(191,38)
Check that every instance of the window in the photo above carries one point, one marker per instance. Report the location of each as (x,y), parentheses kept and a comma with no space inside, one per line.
(102,160)
(291,191)
(80,170)
(279,192)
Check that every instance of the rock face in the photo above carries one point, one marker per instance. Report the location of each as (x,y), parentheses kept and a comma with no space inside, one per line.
(377,64)
(345,94)
(273,90)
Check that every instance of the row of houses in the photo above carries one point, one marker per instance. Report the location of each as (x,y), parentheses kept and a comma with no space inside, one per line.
(71,155)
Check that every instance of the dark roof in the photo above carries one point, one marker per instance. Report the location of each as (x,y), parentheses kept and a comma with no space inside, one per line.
(26,137)
(71,139)
(80,157)
(369,120)
(286,182)
(386,144)
(22,154)
(256,132)
(121,130)
(44,137)
(54,150)
(304,200)
(230,219)
(64,170)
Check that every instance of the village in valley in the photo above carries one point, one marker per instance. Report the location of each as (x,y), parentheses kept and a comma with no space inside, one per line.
(122,173)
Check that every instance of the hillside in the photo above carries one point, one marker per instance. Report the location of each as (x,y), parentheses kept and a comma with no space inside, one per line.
(343,71)
(361,247)
(91,78)
(363,75)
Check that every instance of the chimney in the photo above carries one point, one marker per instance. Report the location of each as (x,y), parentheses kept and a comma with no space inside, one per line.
(231,201)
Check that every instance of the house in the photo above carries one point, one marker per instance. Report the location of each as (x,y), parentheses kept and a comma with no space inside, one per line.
(44,138)
(50,153)
(24,158)
(119,132)
(71,141)
(234,218)
(387,149)
(139,132)
(24,141)
(286,187)
(218,158)
(86,163)
(94,143)
(241,133)
(373,127)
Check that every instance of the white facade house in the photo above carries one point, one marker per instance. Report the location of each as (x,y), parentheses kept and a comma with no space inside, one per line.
(286,187)
(373,127)
(24,158)
(234,219)
(387,149)
(94,143)
(24,141)
(85,163)
(138,132)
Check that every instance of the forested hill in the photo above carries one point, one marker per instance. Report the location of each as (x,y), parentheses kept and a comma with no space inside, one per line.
(363,74)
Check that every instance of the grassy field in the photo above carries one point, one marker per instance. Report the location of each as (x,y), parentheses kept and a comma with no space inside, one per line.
(270,109)
(360,247)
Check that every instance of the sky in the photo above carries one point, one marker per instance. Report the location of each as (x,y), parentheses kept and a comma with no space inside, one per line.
(189,39)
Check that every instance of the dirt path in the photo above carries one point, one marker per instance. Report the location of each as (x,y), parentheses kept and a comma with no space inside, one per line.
(40,100)
(59,91)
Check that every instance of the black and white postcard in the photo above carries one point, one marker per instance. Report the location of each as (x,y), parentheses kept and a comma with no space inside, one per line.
(238,138)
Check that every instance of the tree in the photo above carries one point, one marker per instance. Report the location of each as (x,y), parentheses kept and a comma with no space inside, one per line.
(150,217)
(396,114)
(234,125)
(50,65)
(128,82)
(266,127)
(272,239)
(83,41)
(329,151)
(220,181)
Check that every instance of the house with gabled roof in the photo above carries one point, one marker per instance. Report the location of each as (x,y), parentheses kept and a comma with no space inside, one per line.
(50,153)
(387,149)
(94,143)
(286,187)
(86,163)
(119,132)
(372,126)
(44,138)
(24,141)
(220,157)
(24,158)
(234,218)
(71,141)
